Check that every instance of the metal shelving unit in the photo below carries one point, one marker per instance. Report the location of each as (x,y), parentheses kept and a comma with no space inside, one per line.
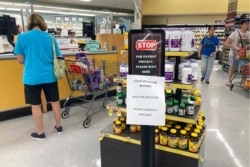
(135,138)
(130,142)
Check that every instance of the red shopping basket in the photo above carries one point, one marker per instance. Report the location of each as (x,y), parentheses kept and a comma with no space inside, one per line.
(245,69)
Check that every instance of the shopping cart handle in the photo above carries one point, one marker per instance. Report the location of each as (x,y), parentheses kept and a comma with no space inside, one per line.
(68,59)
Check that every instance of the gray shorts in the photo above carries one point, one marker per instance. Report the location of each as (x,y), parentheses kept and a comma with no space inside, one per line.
(232,61)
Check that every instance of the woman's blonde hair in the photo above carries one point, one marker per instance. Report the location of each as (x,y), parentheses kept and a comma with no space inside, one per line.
(36,20)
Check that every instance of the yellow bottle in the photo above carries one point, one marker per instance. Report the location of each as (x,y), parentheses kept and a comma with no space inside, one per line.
(193,144)
(183,140)
(164,136)
(173,138)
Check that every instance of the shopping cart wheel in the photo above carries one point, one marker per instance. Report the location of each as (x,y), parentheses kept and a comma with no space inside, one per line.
(65,113)
(86,123)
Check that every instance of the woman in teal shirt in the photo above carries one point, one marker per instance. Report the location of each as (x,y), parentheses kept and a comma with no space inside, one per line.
(34,51)
(207,53)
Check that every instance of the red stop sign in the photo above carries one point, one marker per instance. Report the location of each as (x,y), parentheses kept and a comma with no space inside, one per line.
(146,45)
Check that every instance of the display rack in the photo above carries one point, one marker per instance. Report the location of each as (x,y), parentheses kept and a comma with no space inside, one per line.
(112,107)
(199,30)
(117,150)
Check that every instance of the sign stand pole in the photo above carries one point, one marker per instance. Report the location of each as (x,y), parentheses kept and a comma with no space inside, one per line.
(147,57)
(148,146)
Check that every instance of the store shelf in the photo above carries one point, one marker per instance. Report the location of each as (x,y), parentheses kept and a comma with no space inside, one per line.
(179,54)
(175,84)
(135,138)
(113,107)
(185,119)
(179,85)
(120,80)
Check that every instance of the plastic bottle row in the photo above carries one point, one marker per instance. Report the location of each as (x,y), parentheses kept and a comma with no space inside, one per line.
(183,107)
(186,105)
(187,70)
(123,70)
(121,97)
(173,134)
(185,137)
(178,40)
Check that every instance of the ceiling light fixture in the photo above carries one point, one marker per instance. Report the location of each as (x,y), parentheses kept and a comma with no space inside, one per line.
(20,4)
(13,9)
(86,0)
(6,3)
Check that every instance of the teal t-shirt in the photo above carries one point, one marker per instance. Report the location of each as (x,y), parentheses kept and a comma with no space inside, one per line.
(209,45)
(36,47)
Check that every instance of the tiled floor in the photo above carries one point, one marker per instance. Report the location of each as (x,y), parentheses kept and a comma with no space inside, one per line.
(227,138)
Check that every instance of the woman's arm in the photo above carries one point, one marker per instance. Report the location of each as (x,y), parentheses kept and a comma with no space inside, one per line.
(228,44)
(199,50)
(20,59)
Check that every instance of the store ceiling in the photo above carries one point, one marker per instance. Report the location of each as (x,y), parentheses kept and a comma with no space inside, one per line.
(116,4)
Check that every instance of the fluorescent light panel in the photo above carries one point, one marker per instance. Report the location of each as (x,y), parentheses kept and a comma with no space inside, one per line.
(6,3)
(21,4)
(42,9)
(64,13)
(13,9)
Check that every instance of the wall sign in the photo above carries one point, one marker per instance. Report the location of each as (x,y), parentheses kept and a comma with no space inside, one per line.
(58,19)
(66,19)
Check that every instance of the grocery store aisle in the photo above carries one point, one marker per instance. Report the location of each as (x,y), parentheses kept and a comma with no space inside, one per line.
(227,117)
(227,139)
(75,147)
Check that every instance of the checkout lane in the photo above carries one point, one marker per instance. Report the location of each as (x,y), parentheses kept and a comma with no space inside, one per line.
(11,86)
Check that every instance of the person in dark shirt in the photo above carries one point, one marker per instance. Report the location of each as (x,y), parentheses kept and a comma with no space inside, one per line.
(207,52)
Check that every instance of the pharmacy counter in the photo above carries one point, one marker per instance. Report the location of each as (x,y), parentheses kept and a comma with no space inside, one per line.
(11,86)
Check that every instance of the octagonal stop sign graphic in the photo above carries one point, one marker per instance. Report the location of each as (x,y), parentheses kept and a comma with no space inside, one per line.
(146,45)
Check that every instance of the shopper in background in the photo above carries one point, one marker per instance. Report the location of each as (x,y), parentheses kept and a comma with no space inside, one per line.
(12,37)
(207,52)
(34,51)
(19,29)
(234,42)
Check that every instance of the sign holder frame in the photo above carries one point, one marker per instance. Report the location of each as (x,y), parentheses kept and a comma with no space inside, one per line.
(147,132)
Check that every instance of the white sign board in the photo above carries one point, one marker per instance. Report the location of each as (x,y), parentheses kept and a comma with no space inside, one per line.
(67,43)
(145,100)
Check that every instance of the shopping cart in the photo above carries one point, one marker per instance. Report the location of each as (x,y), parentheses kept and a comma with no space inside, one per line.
(243,74)
(92,80)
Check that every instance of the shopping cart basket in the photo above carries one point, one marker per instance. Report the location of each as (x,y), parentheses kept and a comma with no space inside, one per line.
(243,73)
(89,81)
